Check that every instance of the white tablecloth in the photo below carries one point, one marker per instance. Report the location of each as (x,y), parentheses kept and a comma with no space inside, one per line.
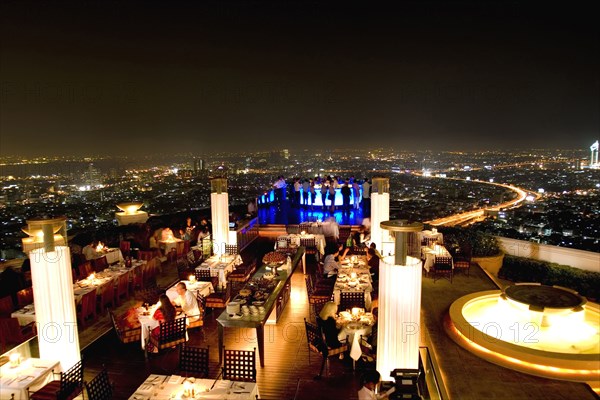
(163,387)
(354,330)
(31,374)
(221,266)
(25,315)
(169,245)
(429,255)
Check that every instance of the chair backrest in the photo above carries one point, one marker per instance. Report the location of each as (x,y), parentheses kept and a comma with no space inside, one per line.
(443,263)
(88,305)
(25,296)
(85,269)
(71,381)
(11,331)
(348,300)
(194,361)
(314,337)
(122,286)
(100,264)
(203,274)
(125,247)
(239,365)
(231,249)
(146,255)
(172,331)
(100,387)
(308,242)
(292,229)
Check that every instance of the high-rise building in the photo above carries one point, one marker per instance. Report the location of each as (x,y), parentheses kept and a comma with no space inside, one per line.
(594,156)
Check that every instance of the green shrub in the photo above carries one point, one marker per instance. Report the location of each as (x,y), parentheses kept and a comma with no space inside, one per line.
(482,244)
(521,269)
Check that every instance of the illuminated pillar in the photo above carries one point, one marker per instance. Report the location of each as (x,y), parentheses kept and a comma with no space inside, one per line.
(380,211)
(594,155)
(398,335)
(219,208)
(52,281)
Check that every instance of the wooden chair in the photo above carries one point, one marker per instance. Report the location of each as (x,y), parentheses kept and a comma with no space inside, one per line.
(345,231)
(86,310)
(310,246)
(316,343)
(24,297)
(122,289)
(239,365)
(231,249)
(125,334)
(171,334)
(316,305)
(125,247)
(100,264)
(442,268)
(105,297)
(219,299)
(67,387)
(100,387)
(462,260)
(193,361)
(85,269)
(204,275)
(12,333)
(349,300)
(199,321)
(146,255)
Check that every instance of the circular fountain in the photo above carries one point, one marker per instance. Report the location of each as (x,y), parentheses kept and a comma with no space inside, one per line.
(547,331)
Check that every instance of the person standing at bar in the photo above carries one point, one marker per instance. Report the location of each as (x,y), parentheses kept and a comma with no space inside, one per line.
(346,192)
(366,197)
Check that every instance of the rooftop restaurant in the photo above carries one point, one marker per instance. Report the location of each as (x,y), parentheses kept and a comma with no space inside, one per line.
(304,298)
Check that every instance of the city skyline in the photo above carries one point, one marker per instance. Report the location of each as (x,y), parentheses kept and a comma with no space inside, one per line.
(152,78)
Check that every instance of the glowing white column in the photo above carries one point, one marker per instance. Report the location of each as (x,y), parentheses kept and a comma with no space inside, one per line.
(398,335)
(380,211)
(219,208)
(55,313)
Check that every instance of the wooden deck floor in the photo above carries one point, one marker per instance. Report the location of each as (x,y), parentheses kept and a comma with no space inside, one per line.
(287,367)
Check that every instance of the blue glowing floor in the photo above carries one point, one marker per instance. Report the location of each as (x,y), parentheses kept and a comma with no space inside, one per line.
(287,214)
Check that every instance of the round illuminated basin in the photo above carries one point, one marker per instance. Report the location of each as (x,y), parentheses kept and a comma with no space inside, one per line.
(541,330)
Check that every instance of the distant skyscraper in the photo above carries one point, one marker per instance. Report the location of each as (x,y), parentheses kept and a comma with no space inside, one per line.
(285,153)
(92,177)
(594,156)
(198,166)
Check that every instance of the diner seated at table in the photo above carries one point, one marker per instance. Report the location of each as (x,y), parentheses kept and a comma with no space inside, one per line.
(153,241)
(330,263)
(326,321)
(373,263)
(89,251)
(187,301)
(361,236)
(374,247)
(165,313)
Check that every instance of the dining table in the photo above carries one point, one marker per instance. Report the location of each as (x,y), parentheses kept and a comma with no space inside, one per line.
(353,277)
(353,326)
(113,255)
(221,266)
(109,275)
(428,254)
(29,375)
(170,244)
(164,387)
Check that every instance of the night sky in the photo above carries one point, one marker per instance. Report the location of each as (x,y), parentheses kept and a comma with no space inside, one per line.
(94,78)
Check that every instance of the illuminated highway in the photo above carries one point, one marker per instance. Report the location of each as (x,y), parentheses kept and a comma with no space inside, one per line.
(479,214)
